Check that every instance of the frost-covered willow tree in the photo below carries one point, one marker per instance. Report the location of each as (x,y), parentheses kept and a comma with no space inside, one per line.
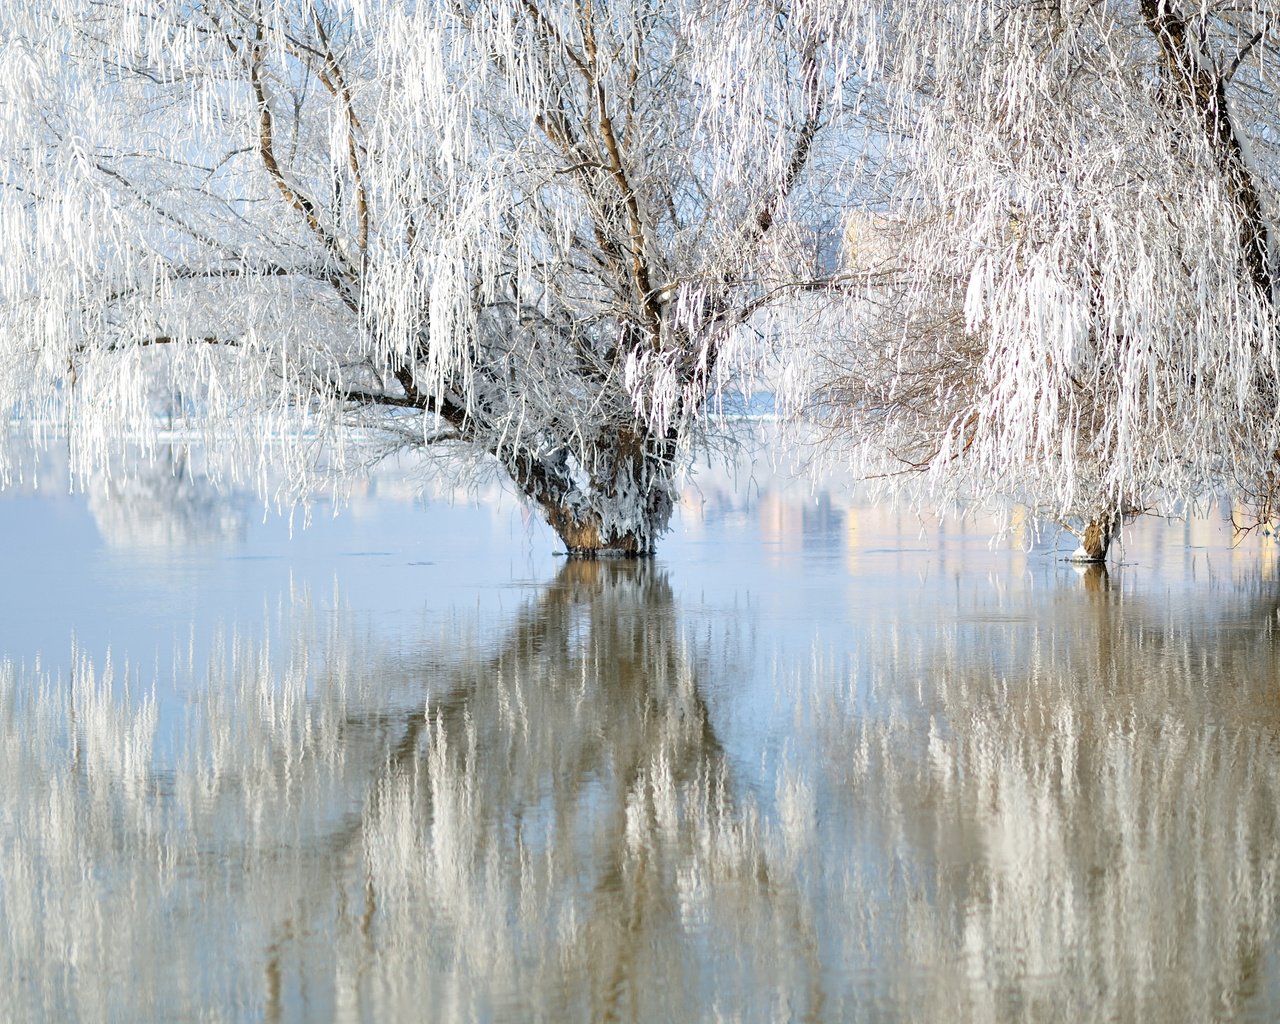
(1067,291)
(525,229)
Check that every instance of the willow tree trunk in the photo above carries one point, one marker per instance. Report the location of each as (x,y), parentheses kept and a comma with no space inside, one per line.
(620,506)
(1096,538)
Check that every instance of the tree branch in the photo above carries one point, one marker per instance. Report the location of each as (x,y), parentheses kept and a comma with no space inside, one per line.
(803,144)
(639,257)
(339,89)
(1257,37)
(1204,92)
(291,195)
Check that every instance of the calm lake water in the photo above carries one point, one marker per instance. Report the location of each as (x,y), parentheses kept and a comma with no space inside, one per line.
(817,761)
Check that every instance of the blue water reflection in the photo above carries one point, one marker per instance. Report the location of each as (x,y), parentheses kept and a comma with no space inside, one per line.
(819,760)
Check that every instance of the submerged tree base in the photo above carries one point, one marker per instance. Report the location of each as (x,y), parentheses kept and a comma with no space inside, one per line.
(607,554)
(1095,539)
(588,540)
(621,517)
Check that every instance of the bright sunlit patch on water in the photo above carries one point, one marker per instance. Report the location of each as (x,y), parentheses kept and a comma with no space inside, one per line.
(805,765)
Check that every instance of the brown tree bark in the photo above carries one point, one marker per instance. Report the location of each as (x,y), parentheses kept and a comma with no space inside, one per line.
(1096,538)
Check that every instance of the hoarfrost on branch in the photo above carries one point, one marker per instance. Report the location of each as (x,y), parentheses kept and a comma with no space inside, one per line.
(1077,307)
(529,230)
(553,234)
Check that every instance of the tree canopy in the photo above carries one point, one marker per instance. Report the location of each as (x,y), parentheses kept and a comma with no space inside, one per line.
(551,234)
(1077,307)
(526,229)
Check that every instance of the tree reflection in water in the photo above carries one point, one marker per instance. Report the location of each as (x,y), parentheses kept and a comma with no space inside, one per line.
(551,835)
(1077,812)
(1067,814)
(571,825)
(164,502)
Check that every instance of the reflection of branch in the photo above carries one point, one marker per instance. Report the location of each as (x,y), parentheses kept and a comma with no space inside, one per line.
(630,610)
